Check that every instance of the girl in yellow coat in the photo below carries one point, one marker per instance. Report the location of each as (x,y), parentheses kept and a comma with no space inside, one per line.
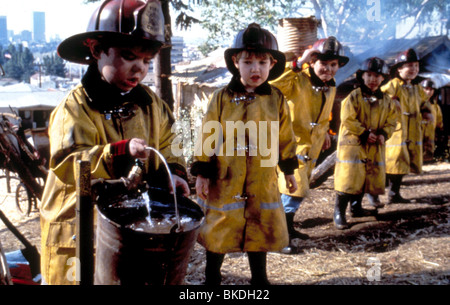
(108,119)
(368,118)
(404,150)
(236,174)
(310,94)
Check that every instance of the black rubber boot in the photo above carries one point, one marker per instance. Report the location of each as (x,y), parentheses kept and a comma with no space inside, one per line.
(293,233)
(394,189)
(258,263)
(214,261)
(374,200)
(356,209)
(340,206)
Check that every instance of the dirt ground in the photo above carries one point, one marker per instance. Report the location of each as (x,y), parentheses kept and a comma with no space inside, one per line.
(406,244)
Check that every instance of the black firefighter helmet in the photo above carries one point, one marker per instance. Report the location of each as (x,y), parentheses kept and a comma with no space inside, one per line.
(330,48)
(256,39)
(428,83)
(127,22)
(404,57)
(373,64)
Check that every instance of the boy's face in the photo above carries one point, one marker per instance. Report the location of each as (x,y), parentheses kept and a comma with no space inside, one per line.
(124,67)
(254,70)
(372,80)
(325,69)
(408,71)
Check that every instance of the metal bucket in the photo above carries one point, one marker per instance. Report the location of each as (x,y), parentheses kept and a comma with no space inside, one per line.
(295,35)
(126,254)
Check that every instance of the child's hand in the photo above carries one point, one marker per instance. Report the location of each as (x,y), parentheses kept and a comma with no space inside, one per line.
(327,142)
(180,182)
(380,139)
(372,139)
(291,184)
(137,148)
(202,187)
(306,57)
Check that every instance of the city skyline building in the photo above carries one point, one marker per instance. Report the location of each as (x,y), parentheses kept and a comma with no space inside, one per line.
(39,26)
(3,30)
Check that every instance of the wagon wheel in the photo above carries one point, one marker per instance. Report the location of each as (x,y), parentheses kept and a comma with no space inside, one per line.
(24,200)
(9,183)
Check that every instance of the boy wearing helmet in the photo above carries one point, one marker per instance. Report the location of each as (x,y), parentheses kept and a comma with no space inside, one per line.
(368,119)
(108,119)
(238,190)
(310,94)
(404,151)
(430,128)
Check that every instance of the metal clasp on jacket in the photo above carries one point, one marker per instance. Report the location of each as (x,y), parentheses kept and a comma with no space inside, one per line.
(304,158)
(246,148)
(370,99)
(244,98)
(244,196)
(318,88)
(312,124)
(121,112)
(406,113)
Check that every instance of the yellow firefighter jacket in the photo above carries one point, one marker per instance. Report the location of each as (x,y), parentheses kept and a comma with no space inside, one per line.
(429,131)
(404,152)
(310,103)
(360,166)
(80,131)
(243,207)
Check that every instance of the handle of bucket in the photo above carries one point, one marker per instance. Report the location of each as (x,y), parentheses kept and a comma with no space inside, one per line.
(177,214)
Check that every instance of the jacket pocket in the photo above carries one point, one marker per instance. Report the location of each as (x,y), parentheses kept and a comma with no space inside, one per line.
(61,234)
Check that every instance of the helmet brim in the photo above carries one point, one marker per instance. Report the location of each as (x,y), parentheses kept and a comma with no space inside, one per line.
(343,60)
(75,49)
(274,73)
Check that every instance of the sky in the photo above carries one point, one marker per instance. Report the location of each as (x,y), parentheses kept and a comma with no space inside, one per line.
(63,17)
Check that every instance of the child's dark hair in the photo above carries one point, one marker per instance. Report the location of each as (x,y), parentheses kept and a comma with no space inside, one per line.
(257,54)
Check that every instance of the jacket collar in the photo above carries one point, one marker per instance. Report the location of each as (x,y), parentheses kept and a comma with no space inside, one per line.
(108,98)
(236,86)
(369,93)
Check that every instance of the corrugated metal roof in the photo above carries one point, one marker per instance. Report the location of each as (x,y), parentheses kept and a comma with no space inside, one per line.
(389,49)
(25,96)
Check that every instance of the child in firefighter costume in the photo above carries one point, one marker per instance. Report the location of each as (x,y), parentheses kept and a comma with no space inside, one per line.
(236,181)
(404,150)
(310,94)
(435,125)
(108,119)
(368,119)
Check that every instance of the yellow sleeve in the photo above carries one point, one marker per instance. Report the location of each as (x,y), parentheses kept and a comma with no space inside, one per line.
(73,136)
(286,82)
(391,121)
(349,115)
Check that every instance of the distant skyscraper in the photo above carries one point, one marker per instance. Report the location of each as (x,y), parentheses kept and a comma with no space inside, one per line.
(3,30)
(39,26)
